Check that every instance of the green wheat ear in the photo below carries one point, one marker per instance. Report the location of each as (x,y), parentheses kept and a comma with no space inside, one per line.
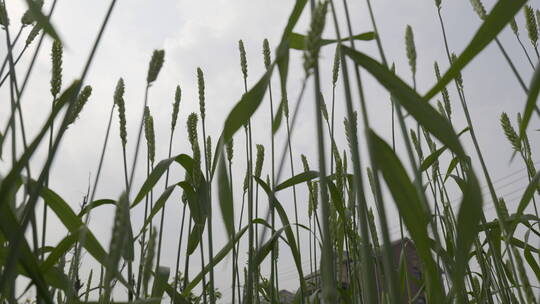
(444,92)
(243,60)
(56,79)
(259,160)
(193,140)
(514,26)
(324,110)
(81,101)
(119,101)
(411,49)
(510,133)
(32,35)
(438,3)
(479,8)
(4,19)
(285,106)
(335,67)
(230,150)
(416,144)
(530,23)
(149,259)
(176,107)
(200,83)
(266,54)
(313,41)
(459,79)
(118,242)
(149,134)
(209,151)
(156,63)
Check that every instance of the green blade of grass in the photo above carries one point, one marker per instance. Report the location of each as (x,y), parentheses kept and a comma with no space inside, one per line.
(95,204)
(411,210)
(297,179)
(534,89)
(226,198)
(468,227)
(407,97)
(152,179)
(298,41)
(160,282)
(433,157)
(288,230)
(502,13)
(217,258)
(159,204)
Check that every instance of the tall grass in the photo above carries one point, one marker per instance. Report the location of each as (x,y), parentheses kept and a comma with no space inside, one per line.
(460,255)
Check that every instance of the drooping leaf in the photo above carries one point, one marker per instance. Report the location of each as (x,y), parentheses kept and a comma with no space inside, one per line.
(96,204)
(42,20)
(403,94)
(297,179)
(502,13)
(298,41)
(226,197)
(411,210)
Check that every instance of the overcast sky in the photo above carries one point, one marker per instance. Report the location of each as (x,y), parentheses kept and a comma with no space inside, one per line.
(205,34)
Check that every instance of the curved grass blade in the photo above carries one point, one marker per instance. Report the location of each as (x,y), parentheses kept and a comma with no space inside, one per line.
(298,41)
(534,89)
(424,114)
(159,204)
(225,198)
(217,258)
(297,179)
(95,204)
(411,210)
(502,13)
(152,179)
(468,227)
(160,282)
(433,157)
(288,231)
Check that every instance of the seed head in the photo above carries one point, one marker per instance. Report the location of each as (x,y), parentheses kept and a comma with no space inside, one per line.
(411,49)
(208,152)
(176,107)
(459,79)
(243,60)
(79,104)
(33,34)
(4,19)
(350,129)
(266,54)
(246,181)
(444,92)
(192,127)
(438,3)
(514,27)
(56,79)
(149,134)
(230,150)
(479,8)
(200,82)
(259,160)
(149,259)
(335,68)
(119,101)
(324,111)
(530,23)
(313,40)
(285,106)
(510,133)
(416,144)
(156,63)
